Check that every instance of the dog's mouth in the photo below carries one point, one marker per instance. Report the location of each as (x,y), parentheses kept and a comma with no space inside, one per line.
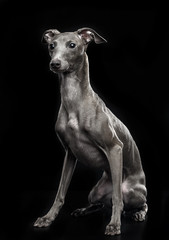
(54,70)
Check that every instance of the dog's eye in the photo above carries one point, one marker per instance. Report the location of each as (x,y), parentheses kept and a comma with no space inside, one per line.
(51,46)
(72,45)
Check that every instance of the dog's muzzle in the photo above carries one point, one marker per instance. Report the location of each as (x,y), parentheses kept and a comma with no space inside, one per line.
(55,65)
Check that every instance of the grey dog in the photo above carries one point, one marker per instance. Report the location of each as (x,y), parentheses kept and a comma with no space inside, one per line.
(92,134)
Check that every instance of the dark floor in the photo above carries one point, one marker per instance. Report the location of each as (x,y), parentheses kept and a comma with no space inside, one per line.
(17,221)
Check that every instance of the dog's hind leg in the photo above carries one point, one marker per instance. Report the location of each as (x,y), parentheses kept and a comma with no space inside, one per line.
(93,207)
(98,197)
(134,197)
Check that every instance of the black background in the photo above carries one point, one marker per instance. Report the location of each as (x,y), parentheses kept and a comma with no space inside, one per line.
(130,73)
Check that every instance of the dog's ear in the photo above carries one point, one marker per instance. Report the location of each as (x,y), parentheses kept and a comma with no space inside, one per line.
(88,35)
(48,35)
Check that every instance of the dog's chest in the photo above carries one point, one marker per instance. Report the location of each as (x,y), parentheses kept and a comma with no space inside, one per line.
(77,138)
(73,125)
(71,132)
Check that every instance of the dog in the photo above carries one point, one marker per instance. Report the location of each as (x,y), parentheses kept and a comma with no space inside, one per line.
(92,134)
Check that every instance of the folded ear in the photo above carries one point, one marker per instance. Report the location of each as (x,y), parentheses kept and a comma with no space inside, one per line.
(88,35)
(48,35)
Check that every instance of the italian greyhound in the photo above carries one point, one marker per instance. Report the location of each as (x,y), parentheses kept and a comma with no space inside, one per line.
(92,134)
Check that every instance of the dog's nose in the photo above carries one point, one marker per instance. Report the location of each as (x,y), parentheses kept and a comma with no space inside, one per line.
(55,64)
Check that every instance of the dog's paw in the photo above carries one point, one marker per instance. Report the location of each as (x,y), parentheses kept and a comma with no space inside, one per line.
(43,222)
(78,212)
(139,216)
(112,230)
(92,208)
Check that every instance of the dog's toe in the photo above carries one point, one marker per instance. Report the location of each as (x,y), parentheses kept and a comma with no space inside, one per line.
(78,212)
(139,216)
(112,230)
(43,222)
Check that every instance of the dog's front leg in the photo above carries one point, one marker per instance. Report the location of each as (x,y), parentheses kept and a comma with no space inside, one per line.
(114,155)
(67,172)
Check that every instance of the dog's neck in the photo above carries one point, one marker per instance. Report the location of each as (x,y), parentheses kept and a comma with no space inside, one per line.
(75,86)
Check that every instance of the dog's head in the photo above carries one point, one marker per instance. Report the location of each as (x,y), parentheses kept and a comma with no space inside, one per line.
(67,49)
